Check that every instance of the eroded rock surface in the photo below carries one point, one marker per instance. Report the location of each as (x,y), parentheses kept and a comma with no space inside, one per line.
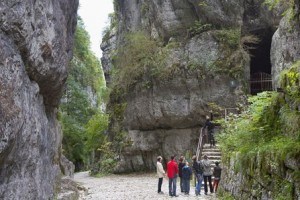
(285,46)
(203,64)
(35,47)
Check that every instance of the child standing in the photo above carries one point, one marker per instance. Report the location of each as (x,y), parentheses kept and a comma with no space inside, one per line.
(217,176)
(186,177)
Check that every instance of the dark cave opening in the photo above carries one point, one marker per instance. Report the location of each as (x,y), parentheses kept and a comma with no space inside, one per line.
(260,63)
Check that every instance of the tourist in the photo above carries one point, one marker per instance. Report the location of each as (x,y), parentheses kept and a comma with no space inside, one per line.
(217,176)
(210,129)
(186,178)
(160,174)
(207,173)
(172,171)
(198,171)
(181,164)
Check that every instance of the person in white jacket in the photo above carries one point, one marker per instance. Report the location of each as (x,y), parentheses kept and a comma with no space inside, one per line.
(160,173)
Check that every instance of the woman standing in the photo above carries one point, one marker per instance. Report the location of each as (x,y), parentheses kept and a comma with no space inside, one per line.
(160,173)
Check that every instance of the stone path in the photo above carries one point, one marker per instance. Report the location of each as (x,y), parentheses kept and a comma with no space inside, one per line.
(130,186)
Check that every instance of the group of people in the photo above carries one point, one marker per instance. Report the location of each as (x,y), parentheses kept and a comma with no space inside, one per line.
(201,169)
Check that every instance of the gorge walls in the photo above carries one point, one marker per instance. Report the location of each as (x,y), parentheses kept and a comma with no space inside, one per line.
(269,176)
(36,39)
(162,109)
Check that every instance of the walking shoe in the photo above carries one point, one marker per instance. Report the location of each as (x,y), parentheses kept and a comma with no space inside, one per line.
(161,192)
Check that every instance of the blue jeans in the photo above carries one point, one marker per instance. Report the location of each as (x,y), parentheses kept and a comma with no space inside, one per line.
(199,183)
(181,184)
(186,185)
(172,186)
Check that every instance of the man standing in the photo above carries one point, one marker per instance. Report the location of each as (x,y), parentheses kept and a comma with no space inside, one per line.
(207,173)
(172,170)
(210,129)
(160,173)
(181,164)
(198,171)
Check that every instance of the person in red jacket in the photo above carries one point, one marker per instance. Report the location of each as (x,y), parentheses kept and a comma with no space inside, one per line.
(172,171)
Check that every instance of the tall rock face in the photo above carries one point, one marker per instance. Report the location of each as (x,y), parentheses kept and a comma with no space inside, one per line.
(254,184)
(35,48)
(286,43)
(207,65)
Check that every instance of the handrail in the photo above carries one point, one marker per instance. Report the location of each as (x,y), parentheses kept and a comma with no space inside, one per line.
(200,144)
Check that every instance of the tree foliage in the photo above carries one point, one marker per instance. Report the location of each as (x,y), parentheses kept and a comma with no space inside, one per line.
(83,123)
(267,133)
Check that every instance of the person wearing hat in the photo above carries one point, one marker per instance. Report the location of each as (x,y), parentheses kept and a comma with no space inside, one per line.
(217,176)
(160,174)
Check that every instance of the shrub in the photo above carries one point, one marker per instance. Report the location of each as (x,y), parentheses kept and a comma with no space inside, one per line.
(199,28)
(140,58)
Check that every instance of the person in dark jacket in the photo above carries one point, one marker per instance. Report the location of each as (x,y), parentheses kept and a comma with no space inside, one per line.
(217,176)
(181,164)
(198,171)
(186,178)
(172,171)
(210,129)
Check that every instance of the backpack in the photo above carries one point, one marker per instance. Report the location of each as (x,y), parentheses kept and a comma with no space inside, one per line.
(200,168)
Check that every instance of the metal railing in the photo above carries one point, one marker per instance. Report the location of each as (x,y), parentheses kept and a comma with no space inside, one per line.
(260,82)
(200,144)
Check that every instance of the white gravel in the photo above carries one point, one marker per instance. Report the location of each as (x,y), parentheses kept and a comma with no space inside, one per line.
(130,186)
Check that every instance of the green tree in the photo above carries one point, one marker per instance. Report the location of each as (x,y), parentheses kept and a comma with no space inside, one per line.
(79,115)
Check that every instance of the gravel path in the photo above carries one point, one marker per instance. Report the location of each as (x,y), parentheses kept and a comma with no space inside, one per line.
(130,186)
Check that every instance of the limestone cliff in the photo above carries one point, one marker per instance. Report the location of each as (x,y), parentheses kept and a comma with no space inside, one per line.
(35,48)
(267,177)
(207,63)
(286,43)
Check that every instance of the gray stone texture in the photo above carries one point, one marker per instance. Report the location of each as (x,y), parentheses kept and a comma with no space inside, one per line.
(285,47)
(177,104)
(36,39)
(284,52)
(165,119)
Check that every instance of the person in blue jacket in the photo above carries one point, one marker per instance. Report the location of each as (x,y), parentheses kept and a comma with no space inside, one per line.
(186,178)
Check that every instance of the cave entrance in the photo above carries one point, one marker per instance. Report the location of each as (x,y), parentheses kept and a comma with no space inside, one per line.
(260,64)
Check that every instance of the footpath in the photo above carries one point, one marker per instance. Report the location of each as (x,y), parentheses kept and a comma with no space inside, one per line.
(131,186)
